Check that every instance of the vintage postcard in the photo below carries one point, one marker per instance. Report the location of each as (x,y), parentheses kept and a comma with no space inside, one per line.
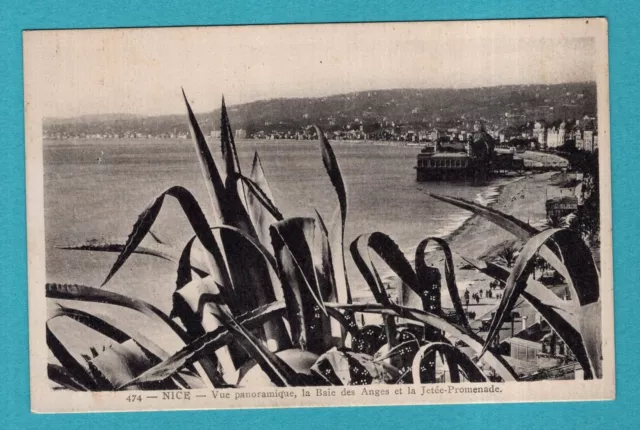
(319,215)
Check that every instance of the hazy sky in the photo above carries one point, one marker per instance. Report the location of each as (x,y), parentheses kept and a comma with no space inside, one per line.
(141,71)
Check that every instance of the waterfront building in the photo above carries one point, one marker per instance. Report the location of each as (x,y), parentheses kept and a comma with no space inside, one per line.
(540,133)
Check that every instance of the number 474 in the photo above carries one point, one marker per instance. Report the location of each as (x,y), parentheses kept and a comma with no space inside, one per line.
(134,398)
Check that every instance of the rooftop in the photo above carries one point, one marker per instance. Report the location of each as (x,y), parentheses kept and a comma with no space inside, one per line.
(450,155)
(563,200)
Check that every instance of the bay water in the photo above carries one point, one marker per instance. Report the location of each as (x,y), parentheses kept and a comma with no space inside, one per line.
(95,189)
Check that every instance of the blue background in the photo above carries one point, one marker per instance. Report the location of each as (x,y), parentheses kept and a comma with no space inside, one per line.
(624,55)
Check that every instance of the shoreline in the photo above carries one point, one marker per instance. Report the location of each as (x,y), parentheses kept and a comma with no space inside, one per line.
(523,197)
(480,239)
(465,225)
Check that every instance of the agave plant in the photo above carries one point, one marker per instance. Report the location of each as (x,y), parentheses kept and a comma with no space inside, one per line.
(265,298)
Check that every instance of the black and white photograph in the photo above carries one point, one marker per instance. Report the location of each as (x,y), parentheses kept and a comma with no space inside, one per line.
(319,215)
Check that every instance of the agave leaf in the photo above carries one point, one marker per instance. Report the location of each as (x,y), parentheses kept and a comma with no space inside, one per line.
(327,282)
(513,225)
(367,270)
(188,305)
(402,358)
(449,273)
(199,305)
(518,228)
(390,253)
(516,283)
(196,218)
(492,270)
(324,263)
(260,250)
(293,241)
(454,358)
(108,327)
(344,319)
(399,349)
(369,339)
(191,319)
(91,294)
(216,339)
(234,211)
(156,250)
(258,195)
(61,376)
(390,325)
(224,210)
(183,276)
(262,210)
(428,289)
(454,371)
(263,213)
(298,360)
(196,295)
(344,367)
(253,281)
(189,382)
(550,306)
(475,342)
(182,358)
(584,284)
(156,238)
(213,181)
(89,320)
(561,315)
(121,362)
(185,267)
(213,340)
(337,235)
(159,250)
(296,237)
(70,363)
(228,209)
(228,144)
(280,373)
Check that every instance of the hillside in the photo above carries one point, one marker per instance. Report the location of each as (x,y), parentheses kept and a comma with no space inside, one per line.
(497,106)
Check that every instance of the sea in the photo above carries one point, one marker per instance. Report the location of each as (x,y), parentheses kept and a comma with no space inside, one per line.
(95,190)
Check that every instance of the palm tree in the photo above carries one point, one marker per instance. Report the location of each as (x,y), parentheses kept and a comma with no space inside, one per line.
(508,254)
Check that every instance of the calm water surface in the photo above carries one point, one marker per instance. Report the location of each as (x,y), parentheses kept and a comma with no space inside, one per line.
(96,189)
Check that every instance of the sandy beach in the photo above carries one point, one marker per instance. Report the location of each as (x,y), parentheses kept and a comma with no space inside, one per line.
(524,198)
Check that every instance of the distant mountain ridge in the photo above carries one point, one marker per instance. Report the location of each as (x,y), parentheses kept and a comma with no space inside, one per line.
(498,107)
(100,117)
